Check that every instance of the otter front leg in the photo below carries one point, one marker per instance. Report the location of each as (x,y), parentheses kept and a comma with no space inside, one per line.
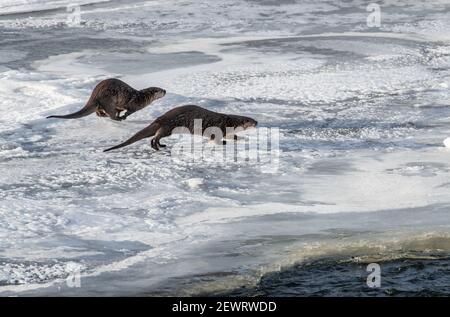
(233,137)
(111,112)
(217,141)
(116,116)
(129,112)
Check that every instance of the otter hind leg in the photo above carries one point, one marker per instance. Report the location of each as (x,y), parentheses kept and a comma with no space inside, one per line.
(161,145)
(154,144)
(161,133)
(101,112)
(213,139)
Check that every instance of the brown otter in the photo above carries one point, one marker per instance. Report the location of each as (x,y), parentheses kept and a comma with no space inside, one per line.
(112,96)
(183,118)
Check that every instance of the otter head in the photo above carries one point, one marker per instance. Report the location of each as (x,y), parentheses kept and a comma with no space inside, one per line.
(243,122)
(249,123)
(154,93)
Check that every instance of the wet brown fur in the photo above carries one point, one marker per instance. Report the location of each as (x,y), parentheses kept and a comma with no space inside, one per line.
(183,117)
(112,96)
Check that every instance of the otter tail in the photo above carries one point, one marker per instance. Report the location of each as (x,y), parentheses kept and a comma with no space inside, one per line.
(144,133)
(89,108)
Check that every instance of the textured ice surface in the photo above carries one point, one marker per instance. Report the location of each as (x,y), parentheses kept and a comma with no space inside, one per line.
(362,114)
(24,6)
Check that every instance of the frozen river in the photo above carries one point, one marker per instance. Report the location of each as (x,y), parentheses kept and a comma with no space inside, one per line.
(362,173)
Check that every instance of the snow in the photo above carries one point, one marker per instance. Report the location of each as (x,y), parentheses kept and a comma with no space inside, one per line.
(23,6)
(361,114)
(447,142)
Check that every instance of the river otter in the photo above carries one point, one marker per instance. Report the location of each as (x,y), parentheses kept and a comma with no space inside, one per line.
(112,96)
(212,124)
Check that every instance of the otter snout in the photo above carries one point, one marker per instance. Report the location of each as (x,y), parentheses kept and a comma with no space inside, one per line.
(154,92)
(250,123)
(160,93)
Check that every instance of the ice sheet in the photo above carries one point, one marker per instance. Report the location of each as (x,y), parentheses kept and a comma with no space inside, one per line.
(362,116)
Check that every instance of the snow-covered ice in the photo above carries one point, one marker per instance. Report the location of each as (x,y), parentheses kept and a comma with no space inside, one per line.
(362,113)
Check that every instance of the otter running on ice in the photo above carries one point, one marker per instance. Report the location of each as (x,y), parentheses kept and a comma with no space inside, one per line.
(112,96)
(181,120)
